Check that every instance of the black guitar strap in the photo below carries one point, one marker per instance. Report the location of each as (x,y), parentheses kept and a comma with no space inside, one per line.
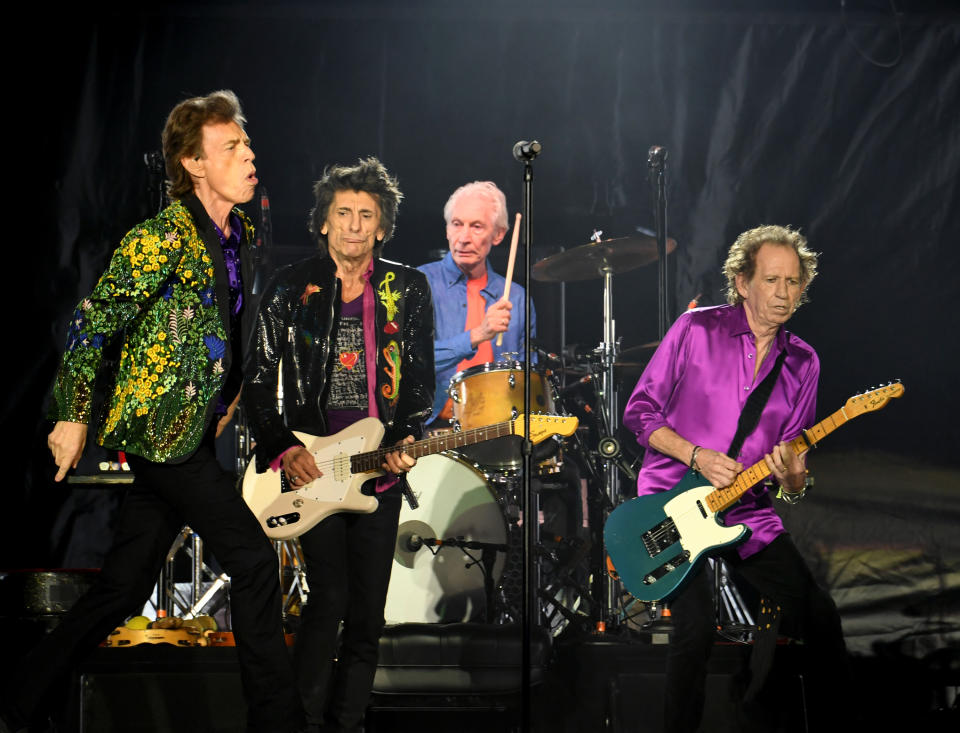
(765,638)
(750,417)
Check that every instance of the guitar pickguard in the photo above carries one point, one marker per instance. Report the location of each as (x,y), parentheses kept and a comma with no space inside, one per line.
(334,461)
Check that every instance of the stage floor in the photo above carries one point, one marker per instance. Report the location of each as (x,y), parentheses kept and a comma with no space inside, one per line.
(591,684)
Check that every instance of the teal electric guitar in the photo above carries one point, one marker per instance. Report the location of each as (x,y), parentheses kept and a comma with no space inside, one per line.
(655,542)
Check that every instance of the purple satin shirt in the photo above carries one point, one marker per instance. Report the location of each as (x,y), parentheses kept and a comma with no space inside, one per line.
(231,256)
(697,384)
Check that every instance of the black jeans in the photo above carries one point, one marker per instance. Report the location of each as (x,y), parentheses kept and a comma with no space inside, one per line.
(163,498)
(779,573)
(349,558)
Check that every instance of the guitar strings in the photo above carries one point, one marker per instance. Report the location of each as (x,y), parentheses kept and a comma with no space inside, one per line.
(436,444)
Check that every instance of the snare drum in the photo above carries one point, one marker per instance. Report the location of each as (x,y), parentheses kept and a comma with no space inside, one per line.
(491,393)
(433,584)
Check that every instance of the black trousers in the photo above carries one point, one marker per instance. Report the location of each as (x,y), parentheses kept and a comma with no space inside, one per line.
(163,498)
(349,558)
(779,574)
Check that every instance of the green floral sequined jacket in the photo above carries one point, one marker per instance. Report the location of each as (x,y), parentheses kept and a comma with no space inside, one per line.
(165,296)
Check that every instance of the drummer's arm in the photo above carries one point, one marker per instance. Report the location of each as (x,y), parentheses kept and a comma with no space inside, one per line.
(449,352)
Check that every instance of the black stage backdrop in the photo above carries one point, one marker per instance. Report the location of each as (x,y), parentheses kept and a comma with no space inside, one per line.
(841,121)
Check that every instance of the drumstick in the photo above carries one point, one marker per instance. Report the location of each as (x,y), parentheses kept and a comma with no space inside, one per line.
(513,256)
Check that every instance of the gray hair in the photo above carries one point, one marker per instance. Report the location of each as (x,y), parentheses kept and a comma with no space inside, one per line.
(489,191)
(742,258)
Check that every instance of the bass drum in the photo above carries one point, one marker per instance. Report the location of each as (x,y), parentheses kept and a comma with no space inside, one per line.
(443,584)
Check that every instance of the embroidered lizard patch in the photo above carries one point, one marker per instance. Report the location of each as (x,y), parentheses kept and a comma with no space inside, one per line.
(392,354)
(388,298)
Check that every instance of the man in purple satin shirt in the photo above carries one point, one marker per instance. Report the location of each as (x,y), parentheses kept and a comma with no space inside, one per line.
(684,412)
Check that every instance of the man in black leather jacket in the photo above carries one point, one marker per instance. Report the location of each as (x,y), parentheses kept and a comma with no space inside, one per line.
(354,335)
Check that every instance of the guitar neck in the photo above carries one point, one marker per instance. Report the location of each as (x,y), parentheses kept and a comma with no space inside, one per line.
(373,460)
(721,499)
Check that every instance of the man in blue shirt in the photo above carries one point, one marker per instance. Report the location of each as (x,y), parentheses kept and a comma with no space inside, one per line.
(469,309)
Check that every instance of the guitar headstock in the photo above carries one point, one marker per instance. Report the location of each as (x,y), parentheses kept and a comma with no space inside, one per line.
(545,426)
(875,399)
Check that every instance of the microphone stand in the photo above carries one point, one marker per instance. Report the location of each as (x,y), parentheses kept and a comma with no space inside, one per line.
(525,153)
(656,161)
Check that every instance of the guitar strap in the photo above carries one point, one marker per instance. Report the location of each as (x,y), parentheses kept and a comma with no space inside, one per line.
(768,625)
(750,417)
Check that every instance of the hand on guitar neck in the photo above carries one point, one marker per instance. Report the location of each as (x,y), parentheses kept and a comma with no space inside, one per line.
(399,461)
(788,467)
(301,467)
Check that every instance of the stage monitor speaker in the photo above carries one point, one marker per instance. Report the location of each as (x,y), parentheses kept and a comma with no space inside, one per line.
(153,689)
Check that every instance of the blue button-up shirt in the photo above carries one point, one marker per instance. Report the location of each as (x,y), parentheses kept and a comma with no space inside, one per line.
(452,343)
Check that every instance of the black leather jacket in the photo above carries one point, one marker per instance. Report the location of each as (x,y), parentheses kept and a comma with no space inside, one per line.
(298,313)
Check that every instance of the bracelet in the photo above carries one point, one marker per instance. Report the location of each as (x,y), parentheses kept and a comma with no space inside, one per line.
(792,497)
(693,458)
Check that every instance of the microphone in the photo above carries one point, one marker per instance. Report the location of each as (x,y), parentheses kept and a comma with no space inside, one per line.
(656,156)
(609,449)
(415,542)
(570,388)
(549,358)
(524,150)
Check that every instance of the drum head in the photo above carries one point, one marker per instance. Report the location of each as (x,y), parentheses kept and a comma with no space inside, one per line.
(486,394)
(435,584)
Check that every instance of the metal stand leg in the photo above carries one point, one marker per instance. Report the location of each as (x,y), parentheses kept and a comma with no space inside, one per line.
(732,617)
(207,590)
(293,584)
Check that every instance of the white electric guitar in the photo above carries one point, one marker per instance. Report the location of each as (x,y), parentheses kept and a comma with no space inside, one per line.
(285,512)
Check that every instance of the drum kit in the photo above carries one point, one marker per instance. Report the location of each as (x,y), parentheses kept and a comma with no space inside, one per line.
(458,555)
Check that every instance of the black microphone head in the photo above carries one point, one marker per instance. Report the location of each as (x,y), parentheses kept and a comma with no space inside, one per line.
(656,155)
(524,150)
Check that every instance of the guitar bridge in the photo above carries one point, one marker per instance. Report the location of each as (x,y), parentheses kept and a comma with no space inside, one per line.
(668,567)
(660,537)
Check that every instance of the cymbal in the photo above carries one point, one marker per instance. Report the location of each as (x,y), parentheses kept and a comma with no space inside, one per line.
(625,368)
(595,259)
(643,351)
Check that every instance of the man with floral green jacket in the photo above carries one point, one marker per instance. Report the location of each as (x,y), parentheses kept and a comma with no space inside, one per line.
(175,296)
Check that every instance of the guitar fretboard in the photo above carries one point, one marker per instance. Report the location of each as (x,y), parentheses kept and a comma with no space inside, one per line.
(372,460)
(721,499)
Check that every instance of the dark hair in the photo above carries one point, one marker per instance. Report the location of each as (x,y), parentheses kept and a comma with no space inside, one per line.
(369,176)
(183,134)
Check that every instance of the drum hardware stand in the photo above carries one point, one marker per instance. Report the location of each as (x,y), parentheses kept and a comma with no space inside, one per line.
(169,599)
(488,558)
(299,590)
(609,413)
(733,620)
(551,594)
(609,450)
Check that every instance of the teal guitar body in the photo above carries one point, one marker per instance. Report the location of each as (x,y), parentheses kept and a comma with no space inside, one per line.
(656,542)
